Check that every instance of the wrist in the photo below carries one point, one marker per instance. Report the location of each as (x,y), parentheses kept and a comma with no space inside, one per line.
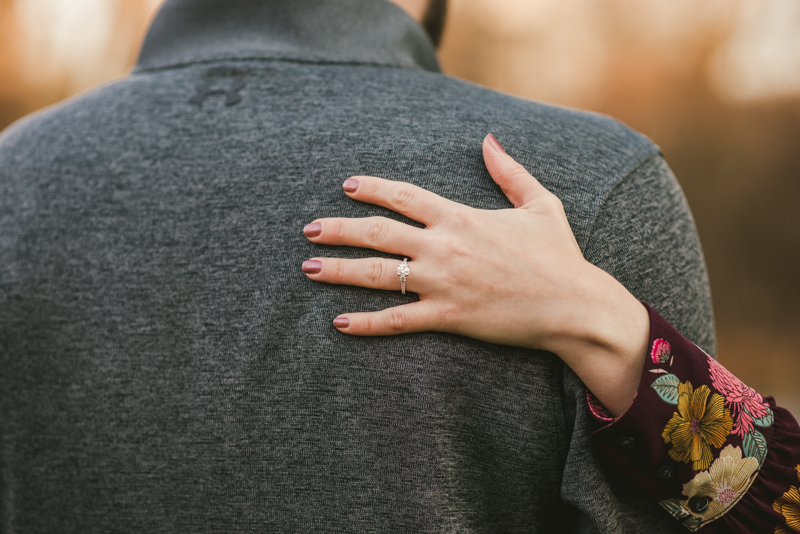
(604,337)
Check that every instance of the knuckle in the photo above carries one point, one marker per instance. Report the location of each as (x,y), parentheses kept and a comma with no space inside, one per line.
(395,321)
(377,230)
(334,229)
(336,270)
(368,324)
(517,172)
(403,196)
(375,271)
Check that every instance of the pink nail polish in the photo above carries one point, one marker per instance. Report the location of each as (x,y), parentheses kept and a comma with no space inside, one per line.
(350,185)
(341,322)
(312,266)
(312,229)
(495,144)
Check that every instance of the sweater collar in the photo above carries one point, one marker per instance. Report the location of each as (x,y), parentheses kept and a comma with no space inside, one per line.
(374,32)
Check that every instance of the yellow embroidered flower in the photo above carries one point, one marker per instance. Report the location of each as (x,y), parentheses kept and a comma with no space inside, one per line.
(788,504)
(701,423)
(724,484)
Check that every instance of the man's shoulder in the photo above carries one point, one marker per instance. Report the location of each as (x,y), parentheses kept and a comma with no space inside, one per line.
(579,155)
(561,146)
(75,120)
(554,128)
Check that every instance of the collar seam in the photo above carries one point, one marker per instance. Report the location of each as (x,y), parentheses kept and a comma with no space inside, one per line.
(287,59)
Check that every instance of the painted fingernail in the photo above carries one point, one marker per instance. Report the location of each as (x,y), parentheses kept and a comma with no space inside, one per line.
(312,266)
(350,185)
(312,229)
(495,144)
(341,322)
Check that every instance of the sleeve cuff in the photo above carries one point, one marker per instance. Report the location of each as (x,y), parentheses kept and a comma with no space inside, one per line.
(695,437)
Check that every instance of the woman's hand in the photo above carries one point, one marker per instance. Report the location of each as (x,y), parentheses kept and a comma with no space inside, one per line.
(510,276)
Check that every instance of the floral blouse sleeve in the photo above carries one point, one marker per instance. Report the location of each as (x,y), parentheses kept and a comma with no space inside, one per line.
(715,454)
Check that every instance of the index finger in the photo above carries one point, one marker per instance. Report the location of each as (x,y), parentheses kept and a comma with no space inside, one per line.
(412,201)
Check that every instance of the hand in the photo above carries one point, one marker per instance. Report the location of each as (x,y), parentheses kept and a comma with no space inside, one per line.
(510,276)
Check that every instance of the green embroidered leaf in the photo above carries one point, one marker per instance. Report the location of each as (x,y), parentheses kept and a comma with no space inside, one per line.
(673,506)
(767,420)
(667,388)
(755,446)
(693,524)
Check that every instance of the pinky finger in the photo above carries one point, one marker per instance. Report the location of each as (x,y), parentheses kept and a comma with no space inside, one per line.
(415,317)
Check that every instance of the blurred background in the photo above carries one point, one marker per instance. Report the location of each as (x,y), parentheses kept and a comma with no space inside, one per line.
(716,84)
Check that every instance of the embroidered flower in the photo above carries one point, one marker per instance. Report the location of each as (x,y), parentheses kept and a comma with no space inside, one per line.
(728,479)
(788,504)
(745,404)
(700,423)
(660,352)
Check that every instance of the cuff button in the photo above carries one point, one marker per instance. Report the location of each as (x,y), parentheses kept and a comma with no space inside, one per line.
(665,472)
(626,442)
(698,504)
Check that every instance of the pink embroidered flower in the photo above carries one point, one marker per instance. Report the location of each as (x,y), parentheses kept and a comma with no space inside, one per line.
(745,403)
(660,352)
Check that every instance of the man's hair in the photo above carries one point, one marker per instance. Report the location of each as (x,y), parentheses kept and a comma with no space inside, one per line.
(434,18)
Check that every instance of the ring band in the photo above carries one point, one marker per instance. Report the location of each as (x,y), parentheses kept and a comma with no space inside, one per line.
(402,272)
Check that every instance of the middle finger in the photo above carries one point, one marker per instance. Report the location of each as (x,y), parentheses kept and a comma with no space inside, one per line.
(377,233)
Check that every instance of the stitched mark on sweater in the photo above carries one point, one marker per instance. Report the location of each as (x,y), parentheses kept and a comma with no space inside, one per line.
(204,90)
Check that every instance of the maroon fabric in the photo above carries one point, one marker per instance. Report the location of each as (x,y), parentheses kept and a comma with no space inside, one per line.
(751,427)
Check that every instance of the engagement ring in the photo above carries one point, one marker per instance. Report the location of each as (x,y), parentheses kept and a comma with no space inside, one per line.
(402,272)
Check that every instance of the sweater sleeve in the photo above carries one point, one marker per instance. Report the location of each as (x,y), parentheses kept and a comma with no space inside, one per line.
(713,452)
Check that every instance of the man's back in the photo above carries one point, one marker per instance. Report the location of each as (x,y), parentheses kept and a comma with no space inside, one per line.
(166,364)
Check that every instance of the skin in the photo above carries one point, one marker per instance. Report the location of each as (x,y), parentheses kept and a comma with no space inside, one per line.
(415,8)
(511,276)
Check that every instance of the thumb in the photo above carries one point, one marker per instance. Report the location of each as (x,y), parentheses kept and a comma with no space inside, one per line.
(519,186)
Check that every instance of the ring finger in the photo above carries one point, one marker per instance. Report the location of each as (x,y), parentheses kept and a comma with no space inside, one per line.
(374,273)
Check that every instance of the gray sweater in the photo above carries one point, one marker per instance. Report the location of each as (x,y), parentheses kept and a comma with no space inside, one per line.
(165,366)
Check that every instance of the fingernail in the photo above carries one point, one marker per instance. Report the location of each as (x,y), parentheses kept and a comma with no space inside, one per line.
(350,185)
(495,144)
(312,266)
(312,229)
(341,322)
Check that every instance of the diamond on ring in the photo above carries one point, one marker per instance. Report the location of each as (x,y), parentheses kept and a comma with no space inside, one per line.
(402,272)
